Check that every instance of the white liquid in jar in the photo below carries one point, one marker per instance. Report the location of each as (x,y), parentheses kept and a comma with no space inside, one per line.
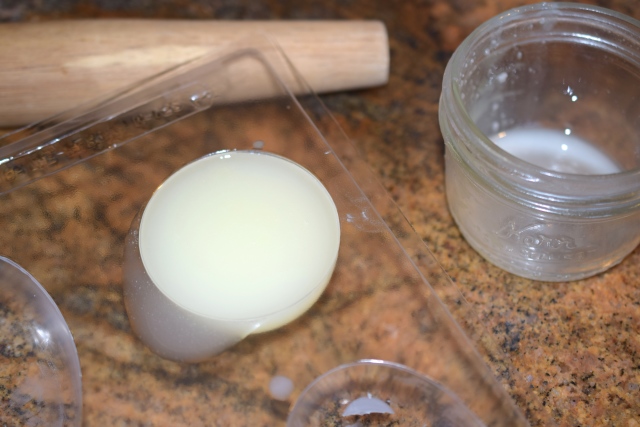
(554,150)
(241,235)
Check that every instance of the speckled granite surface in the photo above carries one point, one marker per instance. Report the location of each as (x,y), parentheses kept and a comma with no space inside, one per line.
(576,345)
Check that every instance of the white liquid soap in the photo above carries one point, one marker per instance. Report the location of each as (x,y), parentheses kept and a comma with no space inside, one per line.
(241,235)
(555,150)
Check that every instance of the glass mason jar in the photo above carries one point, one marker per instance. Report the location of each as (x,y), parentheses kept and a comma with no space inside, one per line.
(561,200)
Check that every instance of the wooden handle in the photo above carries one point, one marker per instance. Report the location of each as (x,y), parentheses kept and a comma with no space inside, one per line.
(47,68)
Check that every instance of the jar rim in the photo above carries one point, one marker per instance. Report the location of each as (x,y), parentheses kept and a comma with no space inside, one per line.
(625,184)
(485,28)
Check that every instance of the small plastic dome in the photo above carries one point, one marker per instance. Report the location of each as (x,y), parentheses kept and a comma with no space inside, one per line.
(378,393)
(41,378)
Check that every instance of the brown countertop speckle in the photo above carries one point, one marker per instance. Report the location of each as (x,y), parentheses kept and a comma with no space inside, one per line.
(575,346)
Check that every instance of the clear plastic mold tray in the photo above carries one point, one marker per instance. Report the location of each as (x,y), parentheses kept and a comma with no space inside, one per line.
(388,298)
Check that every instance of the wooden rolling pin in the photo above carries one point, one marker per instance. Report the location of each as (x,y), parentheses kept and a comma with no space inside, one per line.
(47,68)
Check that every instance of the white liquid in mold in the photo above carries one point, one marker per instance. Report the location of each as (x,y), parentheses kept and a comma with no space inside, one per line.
(241,235)
(555,150)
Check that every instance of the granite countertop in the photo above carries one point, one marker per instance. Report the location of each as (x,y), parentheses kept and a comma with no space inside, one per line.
(576,345)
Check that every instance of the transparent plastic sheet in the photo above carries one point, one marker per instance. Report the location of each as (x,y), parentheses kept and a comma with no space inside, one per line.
(388,298)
